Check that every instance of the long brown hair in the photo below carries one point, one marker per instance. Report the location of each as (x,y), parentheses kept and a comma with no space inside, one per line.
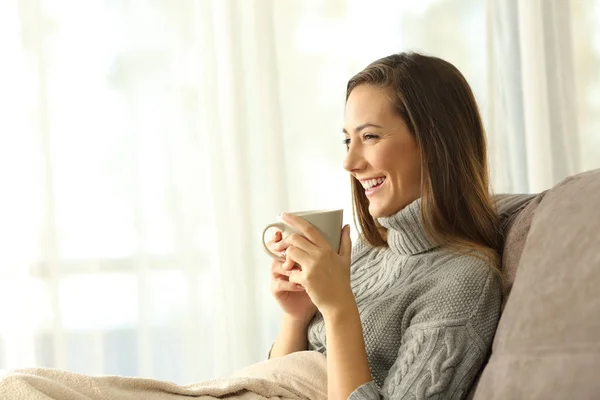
(437,104)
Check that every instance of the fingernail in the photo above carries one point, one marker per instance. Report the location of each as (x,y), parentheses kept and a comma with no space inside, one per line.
(299,286)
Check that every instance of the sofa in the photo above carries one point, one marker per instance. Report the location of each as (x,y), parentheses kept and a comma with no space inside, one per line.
(547,345)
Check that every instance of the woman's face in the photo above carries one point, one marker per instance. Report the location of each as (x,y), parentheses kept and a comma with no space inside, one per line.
(382,153)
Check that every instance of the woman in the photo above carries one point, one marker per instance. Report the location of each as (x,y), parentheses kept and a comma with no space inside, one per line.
(411,310)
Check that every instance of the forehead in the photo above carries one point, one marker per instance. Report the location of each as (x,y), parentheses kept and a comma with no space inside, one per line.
(368,104)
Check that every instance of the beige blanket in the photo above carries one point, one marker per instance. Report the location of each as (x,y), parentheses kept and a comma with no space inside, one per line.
(301,375)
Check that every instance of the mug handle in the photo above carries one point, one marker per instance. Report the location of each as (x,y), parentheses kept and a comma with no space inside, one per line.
(279,225)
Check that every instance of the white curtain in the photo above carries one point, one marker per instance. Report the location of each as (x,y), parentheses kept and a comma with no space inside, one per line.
(144,145)
(533,124)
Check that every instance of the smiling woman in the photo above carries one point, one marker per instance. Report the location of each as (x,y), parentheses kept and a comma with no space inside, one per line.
(411,310)
(424,134)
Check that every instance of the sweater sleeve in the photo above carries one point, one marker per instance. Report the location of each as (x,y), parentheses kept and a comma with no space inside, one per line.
(433,363)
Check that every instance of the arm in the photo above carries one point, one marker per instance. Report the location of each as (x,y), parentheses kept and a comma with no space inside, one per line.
(326,277)
(347,364)
(441,357)
(433,362)
(436,360)
(292,337)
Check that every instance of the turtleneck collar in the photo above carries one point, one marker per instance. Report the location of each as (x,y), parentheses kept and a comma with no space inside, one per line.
(405,230)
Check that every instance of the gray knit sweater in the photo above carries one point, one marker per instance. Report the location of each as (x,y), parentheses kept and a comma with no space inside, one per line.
(428,315)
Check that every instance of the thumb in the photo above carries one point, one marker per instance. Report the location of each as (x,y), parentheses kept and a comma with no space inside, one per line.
(345,243)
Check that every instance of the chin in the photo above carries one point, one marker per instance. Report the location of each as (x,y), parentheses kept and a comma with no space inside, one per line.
(385,210)
(378,212)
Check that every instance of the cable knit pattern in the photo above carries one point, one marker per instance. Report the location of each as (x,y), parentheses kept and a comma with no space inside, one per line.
(428,315)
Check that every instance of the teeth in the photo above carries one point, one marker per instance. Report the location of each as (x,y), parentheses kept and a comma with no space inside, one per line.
(368,184)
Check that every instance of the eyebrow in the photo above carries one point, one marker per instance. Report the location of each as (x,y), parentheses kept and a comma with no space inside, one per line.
(363,126)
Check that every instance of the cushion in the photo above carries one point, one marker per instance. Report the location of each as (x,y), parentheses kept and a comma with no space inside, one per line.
(547,344)
(515,212)
(508,206)
(515,229)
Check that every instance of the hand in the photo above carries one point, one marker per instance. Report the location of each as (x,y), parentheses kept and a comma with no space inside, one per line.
(324,274)
(292,298)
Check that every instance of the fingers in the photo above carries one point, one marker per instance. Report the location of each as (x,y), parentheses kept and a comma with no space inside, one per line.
(295,240)
(345,242)
(288,265)
(296,255)
(280,279)
(279,285)
(306,228)
(277,269)
(297,278)
(274,239)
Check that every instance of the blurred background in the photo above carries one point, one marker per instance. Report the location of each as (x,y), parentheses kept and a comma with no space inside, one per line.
(145,143)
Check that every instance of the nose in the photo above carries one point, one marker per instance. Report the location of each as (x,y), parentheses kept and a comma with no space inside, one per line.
(354,160)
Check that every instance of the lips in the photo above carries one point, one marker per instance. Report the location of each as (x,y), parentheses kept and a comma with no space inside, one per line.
(371,185)
(372,182)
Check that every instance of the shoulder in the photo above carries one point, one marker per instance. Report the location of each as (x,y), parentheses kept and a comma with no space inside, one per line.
(480,283)
(468,272)
(461,286)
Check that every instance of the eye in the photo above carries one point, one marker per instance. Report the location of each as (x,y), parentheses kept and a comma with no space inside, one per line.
(369,136)
(346,142)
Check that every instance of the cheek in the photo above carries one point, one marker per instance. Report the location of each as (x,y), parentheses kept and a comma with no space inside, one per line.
(387,160)
(405,170)
(400,161)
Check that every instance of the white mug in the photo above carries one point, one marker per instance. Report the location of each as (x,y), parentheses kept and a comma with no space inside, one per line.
(327,222)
